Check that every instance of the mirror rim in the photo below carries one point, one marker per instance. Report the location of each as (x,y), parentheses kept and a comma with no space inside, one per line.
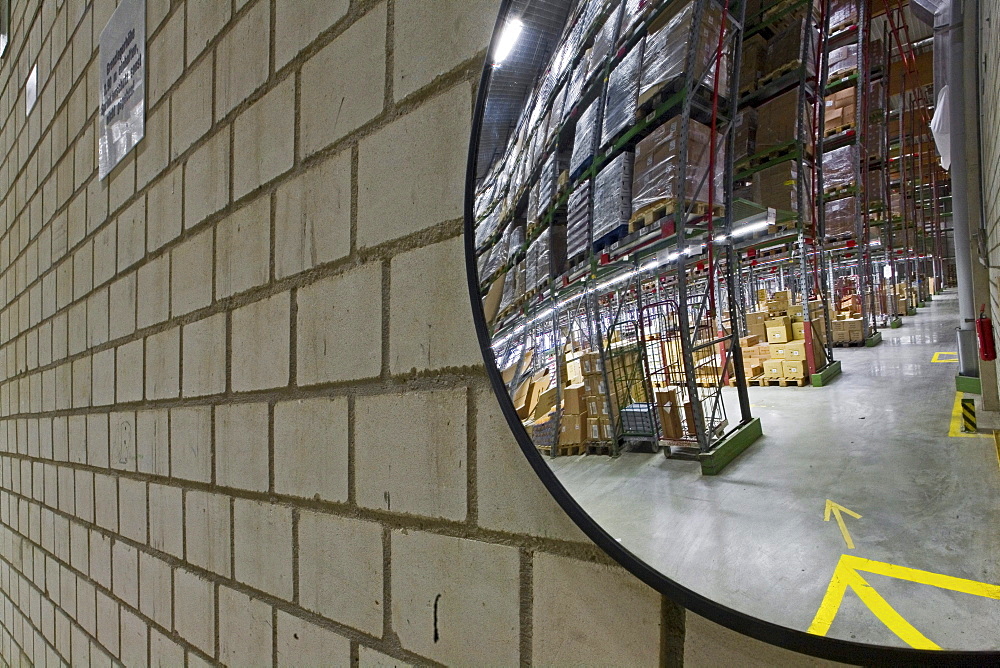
(834,649)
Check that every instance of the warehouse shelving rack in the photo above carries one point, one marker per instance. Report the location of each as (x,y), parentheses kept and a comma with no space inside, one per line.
(627,267)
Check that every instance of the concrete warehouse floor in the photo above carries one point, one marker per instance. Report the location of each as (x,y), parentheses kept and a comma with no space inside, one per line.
(876,441)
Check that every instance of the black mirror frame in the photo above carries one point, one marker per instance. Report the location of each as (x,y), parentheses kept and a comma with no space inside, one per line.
(832,649)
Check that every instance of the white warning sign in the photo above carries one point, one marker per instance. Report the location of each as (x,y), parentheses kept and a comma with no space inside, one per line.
(122,122)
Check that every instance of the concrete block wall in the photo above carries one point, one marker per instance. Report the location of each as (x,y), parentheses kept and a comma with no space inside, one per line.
(988,22)
(243,417)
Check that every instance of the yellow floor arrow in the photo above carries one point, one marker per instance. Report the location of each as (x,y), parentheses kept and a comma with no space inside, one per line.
(848,574)
(837,509)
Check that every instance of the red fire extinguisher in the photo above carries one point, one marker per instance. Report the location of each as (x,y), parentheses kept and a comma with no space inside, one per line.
(984,330)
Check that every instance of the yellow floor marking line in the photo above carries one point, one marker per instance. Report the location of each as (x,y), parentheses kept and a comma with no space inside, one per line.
(996,442)
(945,358)
(955,427)
(837,509)
(848,574)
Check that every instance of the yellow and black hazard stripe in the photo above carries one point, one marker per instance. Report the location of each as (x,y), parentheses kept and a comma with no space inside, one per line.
(969,416)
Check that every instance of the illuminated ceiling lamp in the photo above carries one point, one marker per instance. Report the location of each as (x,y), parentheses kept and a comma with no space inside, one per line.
(508,39)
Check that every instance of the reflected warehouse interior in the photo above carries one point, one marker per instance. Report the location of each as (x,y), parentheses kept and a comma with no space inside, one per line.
(715,264)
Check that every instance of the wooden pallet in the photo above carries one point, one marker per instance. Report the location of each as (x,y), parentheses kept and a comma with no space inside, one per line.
(761,381)
(598,447)
(764,157)
(564,450)
(667,206)
(840,76)
(839,190)
(843,25)
(848,344)
(839,129)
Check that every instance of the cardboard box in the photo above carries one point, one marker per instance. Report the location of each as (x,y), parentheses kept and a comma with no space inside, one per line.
(752,371)
(757,317)
(841,336)
(670,421)
(749,341)
(757,329)
(575,399)
(593,432)
(778,351)
(798,331)
(598,407)
(779,334)
(572,429)
(793,369)
(773,369)
(607,430)
(545,404)
(796,350)
(593,385)
(590,363)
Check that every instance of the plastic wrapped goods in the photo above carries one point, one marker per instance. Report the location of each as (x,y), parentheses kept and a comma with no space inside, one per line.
(546,254)
(548,182)
(842,12)
(584,140)
(838,166)
(574,87)
(613,195)
(486,227)
(623,93)
(665,53)
(604,42)
(843,59)
(840,215)
(578,221)
(658,160)
(533,205)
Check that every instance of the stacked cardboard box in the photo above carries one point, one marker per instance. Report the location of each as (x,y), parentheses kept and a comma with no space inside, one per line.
(775,345)
(840,216)
(785,47)
(745,143)
(848,330)
(840,109)
(838,166)
(658,161)
(754,60)
(782,113)
(587,397)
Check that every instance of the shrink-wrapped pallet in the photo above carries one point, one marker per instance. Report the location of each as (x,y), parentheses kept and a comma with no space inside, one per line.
(839,167)
(665,53)
(578,220)
(658,160)
(584,140)
(613,196)
(622,97)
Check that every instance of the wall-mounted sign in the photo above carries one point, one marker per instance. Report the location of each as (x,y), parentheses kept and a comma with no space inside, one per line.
(122,84)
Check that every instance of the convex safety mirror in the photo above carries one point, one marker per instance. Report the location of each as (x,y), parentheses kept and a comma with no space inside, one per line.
(710,255)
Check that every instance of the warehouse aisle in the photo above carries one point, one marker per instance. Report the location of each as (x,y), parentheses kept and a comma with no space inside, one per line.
(875,441)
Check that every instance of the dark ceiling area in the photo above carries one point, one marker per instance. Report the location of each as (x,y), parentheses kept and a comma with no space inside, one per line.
(511,82)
